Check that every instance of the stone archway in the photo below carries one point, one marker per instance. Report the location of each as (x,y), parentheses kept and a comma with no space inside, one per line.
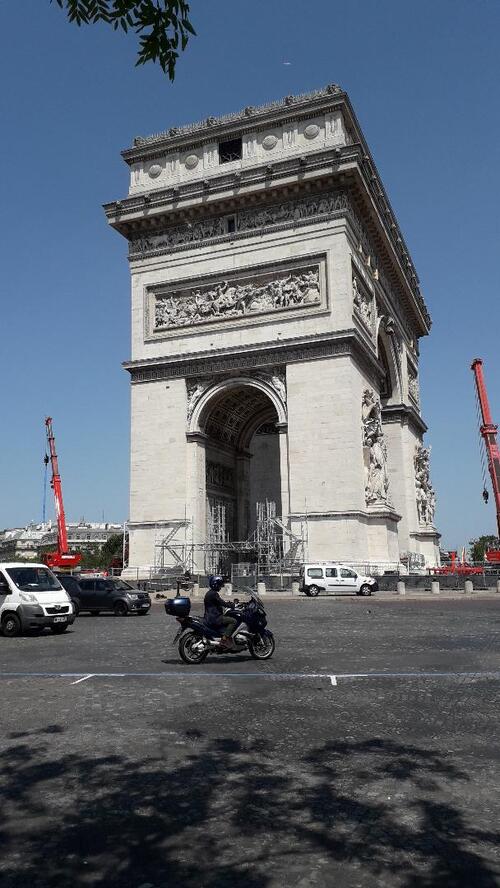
(390,386)
(239,459)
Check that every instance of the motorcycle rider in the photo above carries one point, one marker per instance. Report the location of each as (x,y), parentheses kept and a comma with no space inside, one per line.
(214,606)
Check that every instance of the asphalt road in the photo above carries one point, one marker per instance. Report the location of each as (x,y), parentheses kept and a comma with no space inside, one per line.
(365,753)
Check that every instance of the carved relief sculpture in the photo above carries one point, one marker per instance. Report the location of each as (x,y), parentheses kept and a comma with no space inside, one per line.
(425,494)
(178,235)
(245,221)
(228,299)
(195,389)
(363,301)
(413,385)
(275,377)
(292,211)
(375,452)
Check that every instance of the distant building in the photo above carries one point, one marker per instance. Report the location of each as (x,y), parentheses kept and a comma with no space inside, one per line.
(24,542)
(18,543)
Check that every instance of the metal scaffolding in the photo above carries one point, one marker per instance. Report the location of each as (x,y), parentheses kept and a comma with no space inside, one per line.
(273,548)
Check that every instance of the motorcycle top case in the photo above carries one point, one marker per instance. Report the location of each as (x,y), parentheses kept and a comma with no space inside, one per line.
(178,607)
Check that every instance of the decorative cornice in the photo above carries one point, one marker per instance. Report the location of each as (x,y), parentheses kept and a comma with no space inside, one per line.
(405,415)
(355,514)
(212,126)
(260,174)
(423,535)
(347,342)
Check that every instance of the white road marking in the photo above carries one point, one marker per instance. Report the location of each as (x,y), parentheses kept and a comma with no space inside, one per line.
(83,676)
(333,679)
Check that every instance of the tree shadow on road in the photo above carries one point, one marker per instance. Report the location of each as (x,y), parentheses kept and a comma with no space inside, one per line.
(216,813)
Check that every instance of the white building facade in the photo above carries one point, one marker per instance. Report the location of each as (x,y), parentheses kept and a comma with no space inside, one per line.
(25,542)
(276,315)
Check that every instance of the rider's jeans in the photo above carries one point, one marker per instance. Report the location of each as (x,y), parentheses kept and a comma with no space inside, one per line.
(228,625)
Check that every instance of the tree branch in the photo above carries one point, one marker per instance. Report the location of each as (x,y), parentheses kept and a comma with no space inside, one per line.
(163,25)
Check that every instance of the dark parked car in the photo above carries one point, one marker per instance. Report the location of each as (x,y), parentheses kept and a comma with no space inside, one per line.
(69,583)
(109,594)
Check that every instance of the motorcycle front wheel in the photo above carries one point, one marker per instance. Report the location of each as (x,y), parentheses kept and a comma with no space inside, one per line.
(262,648)
(192,649)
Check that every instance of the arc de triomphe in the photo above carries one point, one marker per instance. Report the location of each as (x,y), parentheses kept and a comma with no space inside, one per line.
(276,315)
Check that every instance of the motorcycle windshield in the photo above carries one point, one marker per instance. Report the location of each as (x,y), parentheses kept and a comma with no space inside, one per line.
(257,599)
(249,590)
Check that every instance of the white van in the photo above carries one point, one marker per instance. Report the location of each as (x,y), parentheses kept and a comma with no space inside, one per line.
(330,576)
(31,598)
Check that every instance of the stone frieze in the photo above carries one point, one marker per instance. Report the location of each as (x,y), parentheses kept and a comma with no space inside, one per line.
(244,222)
(292,211)
(222,364)
(235,298)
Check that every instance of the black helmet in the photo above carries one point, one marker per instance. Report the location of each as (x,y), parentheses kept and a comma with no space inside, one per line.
(216,583)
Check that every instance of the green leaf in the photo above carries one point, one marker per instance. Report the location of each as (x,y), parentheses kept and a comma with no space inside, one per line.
(164,25)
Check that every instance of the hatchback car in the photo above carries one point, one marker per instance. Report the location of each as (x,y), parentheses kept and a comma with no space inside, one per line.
(110,594)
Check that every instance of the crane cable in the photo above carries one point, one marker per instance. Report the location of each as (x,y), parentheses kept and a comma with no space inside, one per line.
(482,449)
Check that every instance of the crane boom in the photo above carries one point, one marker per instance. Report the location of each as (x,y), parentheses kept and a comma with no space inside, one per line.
(488,431)
(55,483)
(61,558)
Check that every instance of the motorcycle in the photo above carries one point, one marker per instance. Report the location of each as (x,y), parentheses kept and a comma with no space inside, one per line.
(196,639)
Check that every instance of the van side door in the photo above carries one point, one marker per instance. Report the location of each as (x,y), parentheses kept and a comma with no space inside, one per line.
(348,579)
(332,579)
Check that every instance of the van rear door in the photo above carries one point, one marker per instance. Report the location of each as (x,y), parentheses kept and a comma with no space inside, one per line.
(314,577)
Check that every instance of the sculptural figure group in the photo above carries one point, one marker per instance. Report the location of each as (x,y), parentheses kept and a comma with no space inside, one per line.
(376,477)
(426,497)
(227,299)
(363,302)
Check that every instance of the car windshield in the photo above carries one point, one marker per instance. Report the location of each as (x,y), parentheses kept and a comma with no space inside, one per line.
(121,586)
(33,579)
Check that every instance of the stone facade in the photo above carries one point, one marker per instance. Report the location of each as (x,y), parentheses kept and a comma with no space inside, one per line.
(276,315)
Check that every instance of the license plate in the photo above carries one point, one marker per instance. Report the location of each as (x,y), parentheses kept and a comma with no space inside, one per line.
(179,633)
(60,619)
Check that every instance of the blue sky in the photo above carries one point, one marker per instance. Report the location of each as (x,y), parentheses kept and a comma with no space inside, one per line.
(424,80)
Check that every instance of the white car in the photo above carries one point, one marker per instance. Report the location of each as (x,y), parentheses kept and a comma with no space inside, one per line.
(330,576)
(31,599)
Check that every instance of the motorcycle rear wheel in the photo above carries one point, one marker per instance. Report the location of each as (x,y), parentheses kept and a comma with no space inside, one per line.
(186,651)
(264,648)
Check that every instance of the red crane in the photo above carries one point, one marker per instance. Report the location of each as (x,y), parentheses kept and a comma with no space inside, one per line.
(60,558)
(488,431)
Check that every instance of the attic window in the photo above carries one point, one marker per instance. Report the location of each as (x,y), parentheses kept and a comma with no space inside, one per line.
(230,150)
